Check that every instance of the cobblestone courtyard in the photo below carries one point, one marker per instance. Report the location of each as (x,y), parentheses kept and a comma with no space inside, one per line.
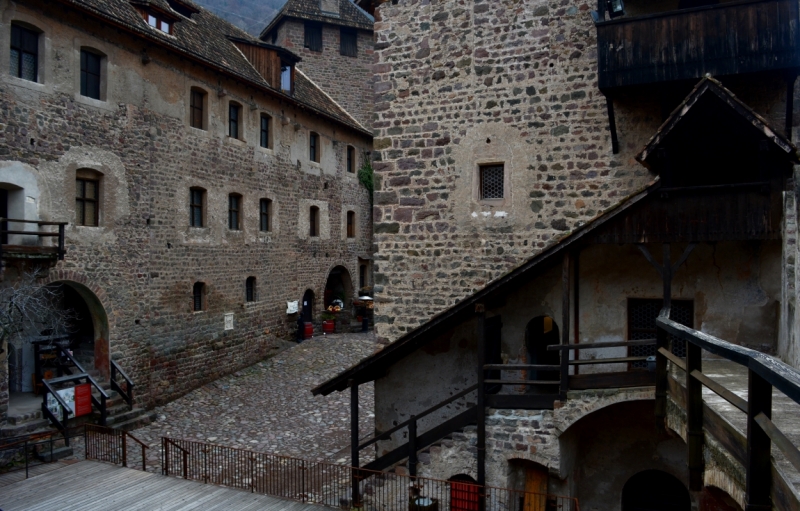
(268,407)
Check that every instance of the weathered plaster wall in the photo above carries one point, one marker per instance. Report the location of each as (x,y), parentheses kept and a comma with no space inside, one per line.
(464,82)
(142,261)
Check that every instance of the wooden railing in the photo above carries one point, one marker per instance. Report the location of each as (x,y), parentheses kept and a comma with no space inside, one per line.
(106,444)
(725,39)
(127,393)
(58,250)
(765,373)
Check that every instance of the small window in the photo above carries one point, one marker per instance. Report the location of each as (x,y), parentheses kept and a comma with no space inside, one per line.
(24,53)
(351,159)
(234,212)
(348,42)
(351,224)
(159,23)
(234,112)
(197,199)
(362,276)
(287,71)
(313,219)
(90,74)
(197,108)
(266,120)
(313,147)
(250,289)
(87,202)
(492,181)
(198,296)
(313,36)
(265,215)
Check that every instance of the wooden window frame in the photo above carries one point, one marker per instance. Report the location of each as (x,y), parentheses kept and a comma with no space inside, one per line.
(197,117)
(197,206)
(313,222)
(158,22)
(81,200)
(351,224)
(88,73)
(235,212)
(198,297)
(265,215)
(234,120)
(314,147)
(264,139)
(21,43)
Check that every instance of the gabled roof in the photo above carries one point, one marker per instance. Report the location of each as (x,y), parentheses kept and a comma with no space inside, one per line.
(706,88)
(207,39)
(350,15)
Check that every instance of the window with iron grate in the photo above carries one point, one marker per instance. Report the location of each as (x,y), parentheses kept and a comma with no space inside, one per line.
(492,178)
(642,316)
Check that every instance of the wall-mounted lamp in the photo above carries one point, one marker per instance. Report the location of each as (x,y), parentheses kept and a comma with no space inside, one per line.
(616,8)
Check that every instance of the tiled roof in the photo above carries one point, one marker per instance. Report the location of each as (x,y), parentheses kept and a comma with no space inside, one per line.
(309,93)
(207,38)
(350,15)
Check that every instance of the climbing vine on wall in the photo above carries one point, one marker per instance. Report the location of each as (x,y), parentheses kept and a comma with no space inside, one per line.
(365,174)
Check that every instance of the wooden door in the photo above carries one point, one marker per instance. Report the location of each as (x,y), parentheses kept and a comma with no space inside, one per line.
(535,489)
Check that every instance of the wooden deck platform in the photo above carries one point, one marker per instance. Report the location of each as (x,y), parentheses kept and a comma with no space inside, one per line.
(91,485)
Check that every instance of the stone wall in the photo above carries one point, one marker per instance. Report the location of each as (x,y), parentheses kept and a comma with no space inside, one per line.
(460,83)
(143,259)
(348,80)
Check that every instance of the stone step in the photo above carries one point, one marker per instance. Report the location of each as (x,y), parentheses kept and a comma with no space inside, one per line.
(16,420)
(122,414)
(58,453)
(26,428)
(142,419)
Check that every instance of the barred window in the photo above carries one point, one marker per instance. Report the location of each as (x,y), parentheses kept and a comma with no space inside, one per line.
(198,296)
(24,53)
(492,181)
(90,74)
(196,107)
(87,201)
(234,212)
(265,214)
(313,36)
(348,42)
(196,206)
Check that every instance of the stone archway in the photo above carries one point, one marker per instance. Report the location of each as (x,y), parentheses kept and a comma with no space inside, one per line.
(655,490)
(339,285)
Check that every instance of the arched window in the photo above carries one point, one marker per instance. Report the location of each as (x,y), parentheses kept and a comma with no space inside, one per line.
(313,222)
(250,289)
(234,120)
(24,52)
(313,147)
(198,296)
(87,197)
(197,207)
(197,108)
(234,212)
(351,224)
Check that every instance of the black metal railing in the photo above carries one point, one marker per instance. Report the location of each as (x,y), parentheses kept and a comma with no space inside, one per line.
(30,448)
(127,393)
(57,250)
(765,373)
(332,485)
(51,387)
(111,445)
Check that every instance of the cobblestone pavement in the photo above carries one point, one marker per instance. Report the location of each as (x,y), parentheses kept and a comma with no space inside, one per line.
(268,407)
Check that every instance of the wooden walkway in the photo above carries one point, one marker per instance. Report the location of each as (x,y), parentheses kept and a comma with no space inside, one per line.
(91,485)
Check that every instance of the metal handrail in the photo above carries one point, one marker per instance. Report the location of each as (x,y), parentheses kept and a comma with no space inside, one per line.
(128,394)
(109,441)
(60,249)
(30,441)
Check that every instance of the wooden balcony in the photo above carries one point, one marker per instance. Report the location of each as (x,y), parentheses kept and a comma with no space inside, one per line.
(17,243)
(722,40)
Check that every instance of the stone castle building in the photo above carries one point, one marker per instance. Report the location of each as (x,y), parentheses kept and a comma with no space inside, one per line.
(204,179)
(550,177)
(334,38)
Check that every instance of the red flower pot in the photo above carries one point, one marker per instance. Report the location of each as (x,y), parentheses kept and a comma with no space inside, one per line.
(327,326)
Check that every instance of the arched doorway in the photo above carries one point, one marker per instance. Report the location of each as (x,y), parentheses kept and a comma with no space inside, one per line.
(540,333)
(532,479)
(308,306)
(655,490)
(464,493)
(339,286)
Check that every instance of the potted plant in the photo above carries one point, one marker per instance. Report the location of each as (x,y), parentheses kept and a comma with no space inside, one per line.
(328,322)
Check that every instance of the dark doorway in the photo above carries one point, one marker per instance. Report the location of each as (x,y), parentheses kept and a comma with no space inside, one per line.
(540,333)
(3,214)
(654,490)
(338,287)
(308,306)
(81,328)
(464,493)
(492,350)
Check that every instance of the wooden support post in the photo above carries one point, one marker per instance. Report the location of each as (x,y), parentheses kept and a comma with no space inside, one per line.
(480,311)
(576,322)
(694,417)
(666,276)
(662,383)
(759,471)
(564,326)
(354,441)
(412,446)
(790,79)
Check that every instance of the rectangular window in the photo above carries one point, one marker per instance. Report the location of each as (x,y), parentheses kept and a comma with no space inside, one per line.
(233,121)
(196,109)
(90,74)
(86,202)
(642,314)
(351,224)
(313,218)
(348,42)
(286,78)
(362,276)
(197,296)
(351,159)
(492,181)
(250,289)
(152,21)
(265,131)
(24,53)
(196,207)
(265,208)
(313,147)
(313,36)
(234,212)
